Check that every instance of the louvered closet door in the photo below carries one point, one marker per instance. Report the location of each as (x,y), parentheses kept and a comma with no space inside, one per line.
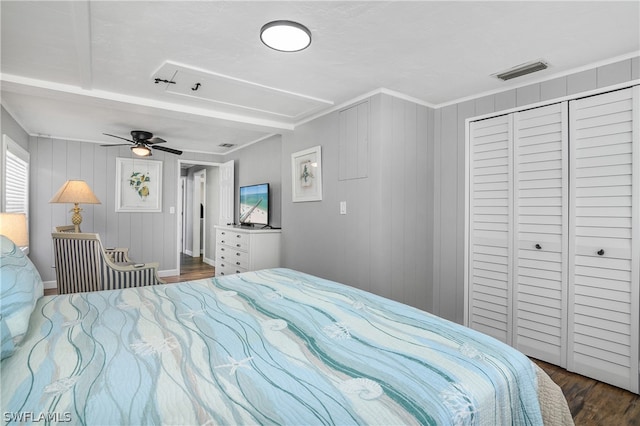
(540,232)
(490,215)
(604,255)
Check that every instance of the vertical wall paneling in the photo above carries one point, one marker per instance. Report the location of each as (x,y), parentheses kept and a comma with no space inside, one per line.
(604,290)
(447,248)
(381,243)
(540,232)
(397,199)
(150,237)
(437,212)
(465,109)
(490,215)
(354,141)
(411,214)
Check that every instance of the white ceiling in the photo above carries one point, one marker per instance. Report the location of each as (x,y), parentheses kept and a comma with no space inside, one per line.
(77,69)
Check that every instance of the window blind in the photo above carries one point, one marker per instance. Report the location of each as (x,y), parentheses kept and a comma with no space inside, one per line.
(16,180)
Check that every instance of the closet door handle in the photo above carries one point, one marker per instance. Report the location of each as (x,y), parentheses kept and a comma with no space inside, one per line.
(538,246)
(600,252)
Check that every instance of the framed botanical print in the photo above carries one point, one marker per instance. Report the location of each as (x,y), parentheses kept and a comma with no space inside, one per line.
(306,175)
(138,185)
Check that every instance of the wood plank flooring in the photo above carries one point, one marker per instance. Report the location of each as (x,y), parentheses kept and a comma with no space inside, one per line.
(592,403)
(191,268)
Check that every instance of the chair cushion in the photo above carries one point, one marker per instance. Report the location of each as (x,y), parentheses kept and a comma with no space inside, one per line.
(20,289)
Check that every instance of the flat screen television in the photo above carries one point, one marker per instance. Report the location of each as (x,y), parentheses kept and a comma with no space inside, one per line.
(254,204)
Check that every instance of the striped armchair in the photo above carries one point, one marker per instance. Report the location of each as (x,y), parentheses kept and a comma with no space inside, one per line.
(82,264)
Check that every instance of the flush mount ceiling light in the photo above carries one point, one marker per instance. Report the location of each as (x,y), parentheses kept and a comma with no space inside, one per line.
(285,36)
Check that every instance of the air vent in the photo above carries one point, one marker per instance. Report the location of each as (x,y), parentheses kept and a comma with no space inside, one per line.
(521,70)
(227,145)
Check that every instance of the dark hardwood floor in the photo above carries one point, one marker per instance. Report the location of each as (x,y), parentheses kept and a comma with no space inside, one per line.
(592,403)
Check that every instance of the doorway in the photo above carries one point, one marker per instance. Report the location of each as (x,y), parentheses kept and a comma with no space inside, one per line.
(200,193)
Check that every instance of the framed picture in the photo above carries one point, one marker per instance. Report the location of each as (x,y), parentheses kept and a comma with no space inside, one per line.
(306,175)
(138,185)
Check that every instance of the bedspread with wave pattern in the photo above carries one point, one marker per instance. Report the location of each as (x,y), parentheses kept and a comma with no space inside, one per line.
(268,347)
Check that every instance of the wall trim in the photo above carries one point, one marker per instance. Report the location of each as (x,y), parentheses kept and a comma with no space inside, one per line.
(544,78)
(571,97)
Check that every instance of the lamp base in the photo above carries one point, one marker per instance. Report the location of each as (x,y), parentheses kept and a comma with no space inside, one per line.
(76,218)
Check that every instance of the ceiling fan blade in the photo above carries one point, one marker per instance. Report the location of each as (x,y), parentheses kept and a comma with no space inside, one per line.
(119,137)
(171,150)
(155,140)
(116,144)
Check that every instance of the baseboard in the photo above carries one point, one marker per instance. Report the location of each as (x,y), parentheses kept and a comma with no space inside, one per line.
(188,253)
(50,284)
(168,273)
(208,261)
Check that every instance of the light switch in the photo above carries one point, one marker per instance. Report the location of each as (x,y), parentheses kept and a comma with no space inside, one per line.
(343,207)
(172,210)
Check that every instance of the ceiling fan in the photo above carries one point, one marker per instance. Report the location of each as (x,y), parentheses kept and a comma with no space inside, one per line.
(143,142)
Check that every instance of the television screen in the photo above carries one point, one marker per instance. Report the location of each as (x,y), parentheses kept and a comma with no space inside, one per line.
(254,204)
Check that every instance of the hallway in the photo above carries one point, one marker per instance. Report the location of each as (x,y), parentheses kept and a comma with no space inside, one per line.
(191,268)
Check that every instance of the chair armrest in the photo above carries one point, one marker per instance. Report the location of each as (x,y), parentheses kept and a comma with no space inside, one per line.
(140,274)
(118,255)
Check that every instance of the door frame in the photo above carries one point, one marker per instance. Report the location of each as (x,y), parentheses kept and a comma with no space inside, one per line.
(180,211)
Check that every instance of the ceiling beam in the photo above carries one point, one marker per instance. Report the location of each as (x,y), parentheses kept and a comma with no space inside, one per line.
(47,89)
(81,14)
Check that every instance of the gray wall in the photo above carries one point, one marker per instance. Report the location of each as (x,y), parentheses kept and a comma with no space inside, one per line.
(260,163)
(448,274)
(384,242)
(11,128)
(150,237)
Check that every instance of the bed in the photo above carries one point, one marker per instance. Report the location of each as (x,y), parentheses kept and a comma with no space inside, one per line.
(274,346)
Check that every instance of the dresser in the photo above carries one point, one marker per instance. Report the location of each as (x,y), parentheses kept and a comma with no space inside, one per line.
(240,249)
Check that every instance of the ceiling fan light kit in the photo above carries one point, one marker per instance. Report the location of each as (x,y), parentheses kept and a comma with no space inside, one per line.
(285,36)
(142,142)
(141,150)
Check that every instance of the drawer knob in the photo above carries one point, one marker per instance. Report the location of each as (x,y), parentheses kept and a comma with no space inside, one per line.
(538,246)
(600,252)
(238,245)
(238,263)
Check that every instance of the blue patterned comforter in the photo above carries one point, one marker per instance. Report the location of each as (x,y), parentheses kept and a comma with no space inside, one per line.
(268,347)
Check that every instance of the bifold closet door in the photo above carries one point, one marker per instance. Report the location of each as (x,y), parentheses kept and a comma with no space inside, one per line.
(604,239)
(540,234)
(490,222)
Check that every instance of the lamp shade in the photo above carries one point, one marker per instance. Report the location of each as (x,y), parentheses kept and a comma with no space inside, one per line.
(75,191)
(14,227)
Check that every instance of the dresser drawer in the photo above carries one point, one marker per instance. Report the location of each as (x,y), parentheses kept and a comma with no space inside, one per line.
(237,240)
(225,268)
(231,256)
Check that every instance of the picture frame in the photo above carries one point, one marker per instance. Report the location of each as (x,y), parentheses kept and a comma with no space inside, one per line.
(138,185)
(306,175)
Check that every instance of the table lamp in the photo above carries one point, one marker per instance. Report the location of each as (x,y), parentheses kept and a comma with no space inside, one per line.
(14,227)
(76,192)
